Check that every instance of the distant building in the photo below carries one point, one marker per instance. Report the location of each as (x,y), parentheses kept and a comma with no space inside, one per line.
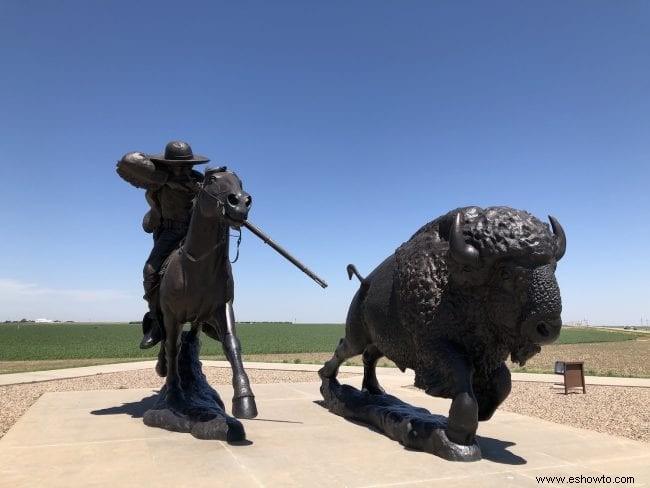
(43,321)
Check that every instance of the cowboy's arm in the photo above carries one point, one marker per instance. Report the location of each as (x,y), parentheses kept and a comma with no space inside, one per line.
(137,169)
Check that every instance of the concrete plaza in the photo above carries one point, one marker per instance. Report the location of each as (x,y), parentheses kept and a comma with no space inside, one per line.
(97,438)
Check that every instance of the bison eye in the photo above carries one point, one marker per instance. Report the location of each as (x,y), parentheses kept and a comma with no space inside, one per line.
(506,274)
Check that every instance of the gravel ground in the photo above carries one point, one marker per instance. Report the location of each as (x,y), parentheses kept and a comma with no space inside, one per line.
(616,410)
(612,410)
(626,358)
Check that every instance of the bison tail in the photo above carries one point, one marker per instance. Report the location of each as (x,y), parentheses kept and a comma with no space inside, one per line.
(352,270)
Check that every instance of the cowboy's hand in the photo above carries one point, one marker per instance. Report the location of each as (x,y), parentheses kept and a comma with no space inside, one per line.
(136,168)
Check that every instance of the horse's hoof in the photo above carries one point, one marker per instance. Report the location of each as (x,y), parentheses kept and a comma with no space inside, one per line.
(244,407)
(161,368)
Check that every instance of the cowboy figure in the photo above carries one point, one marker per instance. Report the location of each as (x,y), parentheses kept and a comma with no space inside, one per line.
(171,185)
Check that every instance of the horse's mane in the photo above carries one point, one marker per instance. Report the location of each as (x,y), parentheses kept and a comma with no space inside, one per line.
(221,169)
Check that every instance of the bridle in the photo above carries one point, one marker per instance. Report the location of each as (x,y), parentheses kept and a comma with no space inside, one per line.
(186,253)
(203,191)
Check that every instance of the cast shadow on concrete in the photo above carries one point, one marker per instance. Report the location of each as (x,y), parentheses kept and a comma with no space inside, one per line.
(494,450)
(277,421)
(135,409)
(139,408)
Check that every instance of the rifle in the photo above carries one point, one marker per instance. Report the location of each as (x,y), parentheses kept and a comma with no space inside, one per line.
(284,253)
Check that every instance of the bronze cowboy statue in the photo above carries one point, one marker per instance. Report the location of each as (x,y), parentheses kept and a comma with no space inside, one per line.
(188,278)
(171,185)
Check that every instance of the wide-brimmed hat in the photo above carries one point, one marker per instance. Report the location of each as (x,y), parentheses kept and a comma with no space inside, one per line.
(178,152)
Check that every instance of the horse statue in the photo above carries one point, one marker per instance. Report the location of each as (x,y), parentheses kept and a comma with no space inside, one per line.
(197,287)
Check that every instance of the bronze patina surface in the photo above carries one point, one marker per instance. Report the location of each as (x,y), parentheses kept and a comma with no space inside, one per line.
(452,303)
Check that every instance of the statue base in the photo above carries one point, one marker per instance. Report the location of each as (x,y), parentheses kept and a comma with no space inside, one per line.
(413,427)
(202,412)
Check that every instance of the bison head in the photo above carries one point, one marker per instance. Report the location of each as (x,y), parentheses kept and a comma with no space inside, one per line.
(511,256)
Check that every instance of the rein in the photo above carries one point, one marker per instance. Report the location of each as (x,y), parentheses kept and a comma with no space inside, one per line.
(202,256)
(238,243)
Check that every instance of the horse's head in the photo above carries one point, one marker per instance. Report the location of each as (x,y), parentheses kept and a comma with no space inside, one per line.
(222,196)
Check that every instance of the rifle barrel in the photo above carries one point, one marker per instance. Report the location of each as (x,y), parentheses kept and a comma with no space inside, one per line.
(284,253)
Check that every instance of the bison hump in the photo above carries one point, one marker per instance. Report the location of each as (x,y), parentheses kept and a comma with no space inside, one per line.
(421,277)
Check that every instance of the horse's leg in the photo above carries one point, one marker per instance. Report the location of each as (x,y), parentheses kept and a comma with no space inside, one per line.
(243,402)
(195,330)
(161,365)
(210,328)
(174,394)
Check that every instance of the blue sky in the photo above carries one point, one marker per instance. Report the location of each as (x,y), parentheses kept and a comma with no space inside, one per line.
(352,123)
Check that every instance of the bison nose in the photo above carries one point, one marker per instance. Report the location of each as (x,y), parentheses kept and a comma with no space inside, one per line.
(545,331)
(542,329)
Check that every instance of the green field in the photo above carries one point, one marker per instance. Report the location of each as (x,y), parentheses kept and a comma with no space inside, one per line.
(31,341)
(584,335)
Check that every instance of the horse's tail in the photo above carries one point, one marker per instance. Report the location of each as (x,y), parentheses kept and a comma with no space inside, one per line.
(352,270)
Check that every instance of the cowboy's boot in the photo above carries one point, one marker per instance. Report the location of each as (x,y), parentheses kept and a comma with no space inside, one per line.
(150,325)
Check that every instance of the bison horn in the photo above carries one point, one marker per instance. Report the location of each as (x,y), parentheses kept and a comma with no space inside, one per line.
(560,238)
(461,251)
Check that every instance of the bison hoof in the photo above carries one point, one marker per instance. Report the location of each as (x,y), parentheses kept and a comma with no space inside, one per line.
(244,407)
(373,389)
(460,438)
(328,373)
(321,373)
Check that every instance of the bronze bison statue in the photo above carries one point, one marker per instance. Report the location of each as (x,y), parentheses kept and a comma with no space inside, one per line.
(464,292)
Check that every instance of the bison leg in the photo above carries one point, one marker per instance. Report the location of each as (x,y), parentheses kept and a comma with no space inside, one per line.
(354,342)
(492,392)
(243,402)
(370,383)
(345,350)
(463,419)
(451,377)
